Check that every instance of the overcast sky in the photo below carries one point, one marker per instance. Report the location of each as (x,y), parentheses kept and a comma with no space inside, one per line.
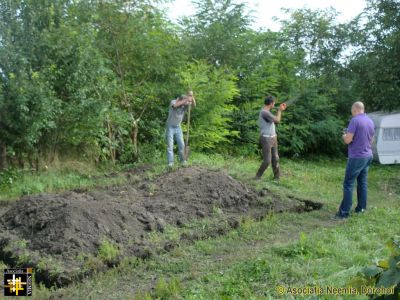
(265,10)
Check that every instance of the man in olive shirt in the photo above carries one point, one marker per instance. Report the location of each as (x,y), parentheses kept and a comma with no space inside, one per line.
(268,137)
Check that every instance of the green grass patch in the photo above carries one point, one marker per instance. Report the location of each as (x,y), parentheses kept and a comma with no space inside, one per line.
(56,180)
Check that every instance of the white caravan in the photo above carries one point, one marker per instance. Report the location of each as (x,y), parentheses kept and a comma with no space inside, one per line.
(386,145)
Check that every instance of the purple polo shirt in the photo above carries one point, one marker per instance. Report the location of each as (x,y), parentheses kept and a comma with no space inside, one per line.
(363,129)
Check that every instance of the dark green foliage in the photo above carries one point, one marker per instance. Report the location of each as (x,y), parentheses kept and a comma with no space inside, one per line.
(376,65)
(311,126)
(74,84)
(53,78)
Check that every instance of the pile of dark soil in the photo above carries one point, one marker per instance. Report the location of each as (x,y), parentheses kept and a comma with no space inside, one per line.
(66,236)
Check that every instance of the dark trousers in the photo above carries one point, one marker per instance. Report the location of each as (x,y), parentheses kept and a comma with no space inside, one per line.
(270,154)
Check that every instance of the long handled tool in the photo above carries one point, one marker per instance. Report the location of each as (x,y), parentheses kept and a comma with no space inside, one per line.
(291,101)
(187,147)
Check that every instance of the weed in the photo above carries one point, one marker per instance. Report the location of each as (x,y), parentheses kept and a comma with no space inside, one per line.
(19,252)
(90,263)
(93,264)
(151,187)
(50,265)
(142,295)
(217,211)
(108,251)
(167,290)
(130,262)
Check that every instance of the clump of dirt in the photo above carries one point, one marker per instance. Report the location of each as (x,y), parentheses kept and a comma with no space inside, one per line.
(67,236)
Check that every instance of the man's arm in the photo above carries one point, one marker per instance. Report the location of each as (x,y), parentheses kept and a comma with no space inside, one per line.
(181,102)
(348,137)
(278,116)
(269,117)
(349,134)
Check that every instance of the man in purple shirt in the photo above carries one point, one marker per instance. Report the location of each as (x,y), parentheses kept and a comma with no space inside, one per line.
(359,136)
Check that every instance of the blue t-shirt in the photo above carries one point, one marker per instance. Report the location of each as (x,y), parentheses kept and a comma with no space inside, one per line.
(363,129)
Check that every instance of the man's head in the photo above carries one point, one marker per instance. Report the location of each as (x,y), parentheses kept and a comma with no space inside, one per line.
(357,108)
(270,101)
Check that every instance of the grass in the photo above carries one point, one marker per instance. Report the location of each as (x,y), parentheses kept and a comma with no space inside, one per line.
(288,249)
(70,175)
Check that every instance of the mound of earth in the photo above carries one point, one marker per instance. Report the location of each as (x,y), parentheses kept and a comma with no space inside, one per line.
(68,235)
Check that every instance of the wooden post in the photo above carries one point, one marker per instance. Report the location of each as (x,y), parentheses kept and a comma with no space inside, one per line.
(3,156)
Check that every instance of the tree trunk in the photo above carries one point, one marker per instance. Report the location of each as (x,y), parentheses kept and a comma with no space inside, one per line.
(134,136)
(53,149)
(110,139)
(33,159)
(3,156)
(20,161)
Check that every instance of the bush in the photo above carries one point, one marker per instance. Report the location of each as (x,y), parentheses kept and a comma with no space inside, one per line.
(384,273)
(7,177)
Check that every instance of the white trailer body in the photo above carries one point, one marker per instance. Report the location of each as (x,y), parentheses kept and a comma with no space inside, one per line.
(386,147)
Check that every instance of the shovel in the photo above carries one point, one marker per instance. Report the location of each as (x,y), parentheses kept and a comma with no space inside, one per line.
(187,147)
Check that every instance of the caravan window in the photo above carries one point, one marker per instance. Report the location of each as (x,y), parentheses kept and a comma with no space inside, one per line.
(391,134)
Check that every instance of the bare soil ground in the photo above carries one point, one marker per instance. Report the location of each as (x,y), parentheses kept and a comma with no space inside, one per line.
(60,235)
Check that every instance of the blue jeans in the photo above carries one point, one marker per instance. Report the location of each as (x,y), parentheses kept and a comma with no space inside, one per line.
(174,132)
(356,168)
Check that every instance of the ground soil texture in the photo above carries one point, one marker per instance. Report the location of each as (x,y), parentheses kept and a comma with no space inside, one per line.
(60,234)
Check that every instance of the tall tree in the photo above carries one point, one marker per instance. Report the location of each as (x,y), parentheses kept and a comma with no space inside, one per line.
(376,64)
(27,107)
(143,51)
(215,89)
(52,76)
(217,32)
